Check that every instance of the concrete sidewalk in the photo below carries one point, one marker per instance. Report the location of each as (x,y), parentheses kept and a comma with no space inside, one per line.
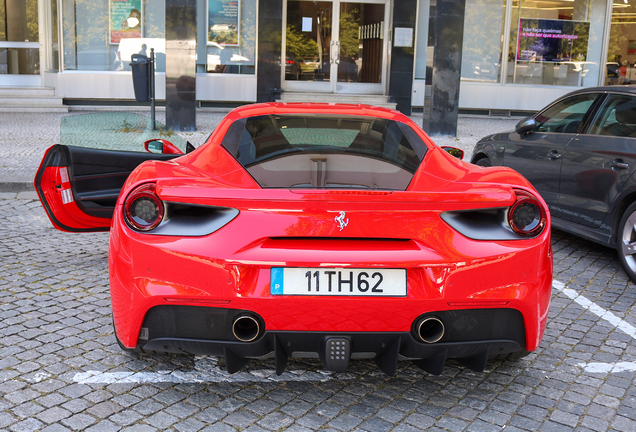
(26,136)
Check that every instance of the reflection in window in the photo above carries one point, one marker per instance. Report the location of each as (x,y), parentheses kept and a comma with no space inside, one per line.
(481,52)
(555,42)
(53,48)
(231,40)
(115,131)
(617,117)
(19,23)
(98,38)
(621,61)
(361,42)
(565,116)
(318,151)
(307,41)
(3,21)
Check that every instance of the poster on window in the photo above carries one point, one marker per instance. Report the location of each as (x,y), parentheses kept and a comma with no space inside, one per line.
(124,20)
(223,22)
(556,41)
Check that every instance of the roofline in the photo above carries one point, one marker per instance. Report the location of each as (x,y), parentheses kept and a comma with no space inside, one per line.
(269,108)
(629,89)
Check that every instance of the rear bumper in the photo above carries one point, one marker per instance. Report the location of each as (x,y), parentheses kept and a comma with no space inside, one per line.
(384,348)
(470,335)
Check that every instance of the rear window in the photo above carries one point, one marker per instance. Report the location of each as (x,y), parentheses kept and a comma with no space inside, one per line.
(322,151)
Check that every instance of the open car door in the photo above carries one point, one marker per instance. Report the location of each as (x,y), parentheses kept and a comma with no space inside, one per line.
(79,181)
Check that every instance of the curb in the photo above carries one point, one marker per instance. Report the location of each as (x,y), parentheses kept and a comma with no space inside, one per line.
(31,195)
(16,187)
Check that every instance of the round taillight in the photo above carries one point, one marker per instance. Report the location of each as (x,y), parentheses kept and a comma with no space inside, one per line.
(143,209)
(527,216)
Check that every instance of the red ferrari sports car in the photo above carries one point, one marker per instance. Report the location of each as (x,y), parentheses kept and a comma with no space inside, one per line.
(312,230)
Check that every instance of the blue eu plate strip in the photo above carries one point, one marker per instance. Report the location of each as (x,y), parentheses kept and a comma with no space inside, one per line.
(277,279)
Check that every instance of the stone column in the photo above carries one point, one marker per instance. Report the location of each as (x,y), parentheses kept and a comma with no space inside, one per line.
(402,57)
(446,32)
(181,48)
(270,25)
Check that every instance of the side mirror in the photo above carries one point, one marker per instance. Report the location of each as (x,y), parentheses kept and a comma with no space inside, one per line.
(454,151)
(154,146)
(161,146)
(525,126)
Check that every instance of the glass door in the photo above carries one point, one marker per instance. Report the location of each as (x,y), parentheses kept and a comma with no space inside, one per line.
(346,57)
(19,43)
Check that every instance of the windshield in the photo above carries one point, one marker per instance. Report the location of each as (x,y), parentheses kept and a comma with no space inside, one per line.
(326,151)
(114,131)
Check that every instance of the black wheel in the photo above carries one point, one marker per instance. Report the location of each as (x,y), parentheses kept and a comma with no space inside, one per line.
(485,162)
(626,241)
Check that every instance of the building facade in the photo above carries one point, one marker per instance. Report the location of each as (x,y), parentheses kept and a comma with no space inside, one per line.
(518,55)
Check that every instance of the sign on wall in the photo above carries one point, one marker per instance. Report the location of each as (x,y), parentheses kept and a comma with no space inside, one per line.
(223,21)
(552,40)
(125,19)
(403,37)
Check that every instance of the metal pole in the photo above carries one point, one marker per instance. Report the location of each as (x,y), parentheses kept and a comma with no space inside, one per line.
(152,87)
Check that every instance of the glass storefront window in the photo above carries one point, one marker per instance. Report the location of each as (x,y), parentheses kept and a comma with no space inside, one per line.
(481,52)
(19,54)
(421,43)
(54,46)
(361,34)
(3,21)
(231,36)
(621,61)
(309,34)
(19,20)
(556,42)
(102,35)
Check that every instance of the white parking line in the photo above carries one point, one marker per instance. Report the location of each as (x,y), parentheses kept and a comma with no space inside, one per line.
(610,318)
(609,367)
(205,371)
(213,376)
(596,309)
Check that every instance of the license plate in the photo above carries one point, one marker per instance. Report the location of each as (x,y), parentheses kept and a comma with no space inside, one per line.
(338,282)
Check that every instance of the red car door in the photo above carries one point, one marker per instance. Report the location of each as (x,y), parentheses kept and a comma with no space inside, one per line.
(79,187)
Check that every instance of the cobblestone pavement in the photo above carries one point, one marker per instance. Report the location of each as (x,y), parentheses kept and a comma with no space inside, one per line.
(26,136)
(61,369)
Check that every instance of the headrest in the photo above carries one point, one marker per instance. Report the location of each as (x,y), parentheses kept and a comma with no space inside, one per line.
(626,113)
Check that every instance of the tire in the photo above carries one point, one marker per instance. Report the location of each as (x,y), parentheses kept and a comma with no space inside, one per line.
(626,241)
(484,162)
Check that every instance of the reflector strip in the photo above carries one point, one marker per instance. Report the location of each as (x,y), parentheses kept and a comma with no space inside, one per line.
(478,303)
(64,174)
(67,196)
(185,300)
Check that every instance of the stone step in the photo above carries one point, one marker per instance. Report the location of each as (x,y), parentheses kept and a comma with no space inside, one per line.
(6,91)
(30,100)
(33,108)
